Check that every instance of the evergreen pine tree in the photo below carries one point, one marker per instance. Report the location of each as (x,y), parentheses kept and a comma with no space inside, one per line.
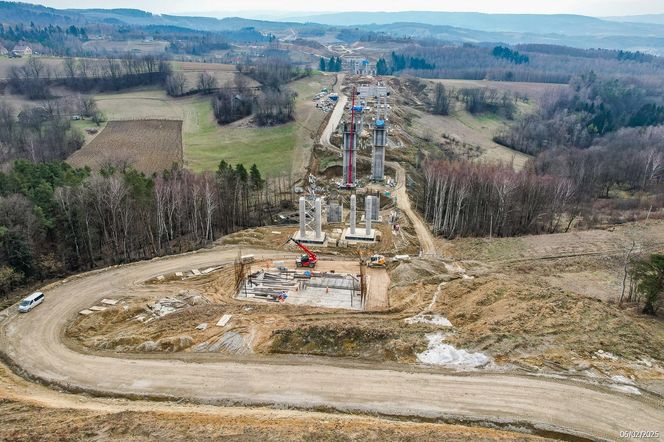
(255,177)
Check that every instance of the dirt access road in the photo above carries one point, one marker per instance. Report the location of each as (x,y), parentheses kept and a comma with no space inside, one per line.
(33,345)
(424,235)
(337,114)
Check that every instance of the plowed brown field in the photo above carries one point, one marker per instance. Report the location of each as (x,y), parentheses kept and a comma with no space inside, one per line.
(146,145)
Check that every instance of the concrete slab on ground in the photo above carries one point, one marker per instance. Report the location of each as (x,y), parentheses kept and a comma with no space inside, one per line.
(360,235)
(310,238)
(335,286)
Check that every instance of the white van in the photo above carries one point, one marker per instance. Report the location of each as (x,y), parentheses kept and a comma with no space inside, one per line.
(31,302)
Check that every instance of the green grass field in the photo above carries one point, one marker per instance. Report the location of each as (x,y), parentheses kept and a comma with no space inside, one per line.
(81,125)
(207,144)
(277,151)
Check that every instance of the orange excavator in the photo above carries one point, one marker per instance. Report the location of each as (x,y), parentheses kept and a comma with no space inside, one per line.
(308,260)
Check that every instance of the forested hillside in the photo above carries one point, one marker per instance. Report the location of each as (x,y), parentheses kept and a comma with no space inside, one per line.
(598,153)
(590,108)
(56,219)
(531,63)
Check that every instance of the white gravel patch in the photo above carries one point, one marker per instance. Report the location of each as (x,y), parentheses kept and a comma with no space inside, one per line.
(443,354)
(625,389)
(438,320)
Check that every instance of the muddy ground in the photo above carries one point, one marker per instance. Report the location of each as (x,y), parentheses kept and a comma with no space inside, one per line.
(30,412)
(504,303)
(24,422)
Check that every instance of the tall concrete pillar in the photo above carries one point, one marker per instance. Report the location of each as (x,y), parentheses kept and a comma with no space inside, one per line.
(350,153)
(367,214)
(319,221)
(303,217)
(375,208)
(378,154)
(353,207)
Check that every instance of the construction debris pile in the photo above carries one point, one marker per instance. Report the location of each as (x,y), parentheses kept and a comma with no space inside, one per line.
(326,101)
(168,305)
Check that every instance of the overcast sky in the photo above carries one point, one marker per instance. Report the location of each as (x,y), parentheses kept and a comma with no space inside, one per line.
(223,7)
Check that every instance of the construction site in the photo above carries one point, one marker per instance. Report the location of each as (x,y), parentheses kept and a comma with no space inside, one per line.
(354,290)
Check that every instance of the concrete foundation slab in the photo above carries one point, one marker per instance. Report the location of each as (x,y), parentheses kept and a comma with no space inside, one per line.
(320,289)
(359,235)
(329,298)
(377,220)
(310,238)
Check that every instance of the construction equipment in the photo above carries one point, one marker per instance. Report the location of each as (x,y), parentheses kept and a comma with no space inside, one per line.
(377,261)
(308,260)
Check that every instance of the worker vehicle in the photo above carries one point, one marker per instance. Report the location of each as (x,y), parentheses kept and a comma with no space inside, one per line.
(308,260)
(31,302)
(377,261)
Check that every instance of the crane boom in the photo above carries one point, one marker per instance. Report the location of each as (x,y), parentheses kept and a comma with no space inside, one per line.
(311,260)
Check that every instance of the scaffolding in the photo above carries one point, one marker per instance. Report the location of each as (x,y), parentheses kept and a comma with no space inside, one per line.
(311,221)
(240,271)
(352,131)
(379,136)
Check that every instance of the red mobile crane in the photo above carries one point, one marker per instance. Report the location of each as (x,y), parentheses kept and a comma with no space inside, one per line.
(308,260)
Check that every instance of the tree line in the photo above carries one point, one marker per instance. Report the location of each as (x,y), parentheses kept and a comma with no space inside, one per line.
(546,63)
(273,104)
(41,133)
(55,219)
(332,64)
(401,62)
(47,39)
(272,72)
(585,151)
(589,108)
(488,100)
(233,103)
(510,55)
(631,159)
(474,199)
(113,74)
(34,78)
(475,101)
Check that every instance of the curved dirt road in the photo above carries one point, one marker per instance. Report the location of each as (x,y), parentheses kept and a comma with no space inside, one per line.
(424,235)
(33,343)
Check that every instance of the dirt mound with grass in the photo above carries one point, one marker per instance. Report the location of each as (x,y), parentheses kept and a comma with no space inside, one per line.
(374,340)
(524,320)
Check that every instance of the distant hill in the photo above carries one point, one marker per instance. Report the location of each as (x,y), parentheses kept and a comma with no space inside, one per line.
(520,23)
(570,30)
(13,13)
(656,19)
(653,44)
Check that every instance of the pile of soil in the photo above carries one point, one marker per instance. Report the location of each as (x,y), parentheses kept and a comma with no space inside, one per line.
(372,340)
